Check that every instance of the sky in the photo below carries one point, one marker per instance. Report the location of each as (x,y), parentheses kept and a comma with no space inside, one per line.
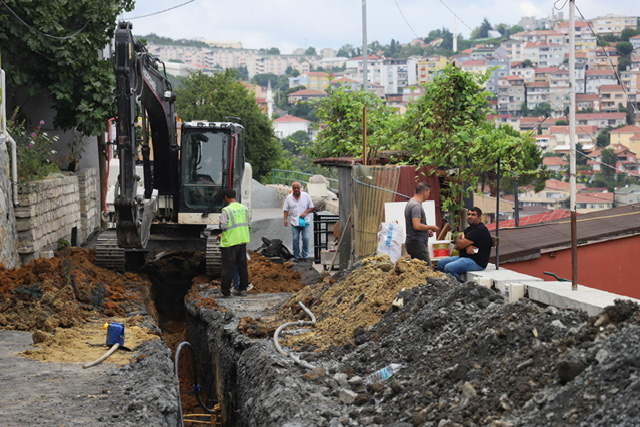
(292,24)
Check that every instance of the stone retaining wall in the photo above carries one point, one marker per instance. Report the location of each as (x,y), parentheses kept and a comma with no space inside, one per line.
(58,208)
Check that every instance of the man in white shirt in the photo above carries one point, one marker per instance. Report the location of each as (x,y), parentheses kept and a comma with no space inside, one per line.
(297,206)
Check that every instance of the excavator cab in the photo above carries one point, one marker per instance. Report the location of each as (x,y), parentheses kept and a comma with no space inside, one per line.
(212,158)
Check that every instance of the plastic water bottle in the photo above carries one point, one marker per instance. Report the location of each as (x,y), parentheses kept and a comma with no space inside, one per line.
(383,374)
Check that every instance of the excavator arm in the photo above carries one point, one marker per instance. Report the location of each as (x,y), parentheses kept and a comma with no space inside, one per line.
(138,81)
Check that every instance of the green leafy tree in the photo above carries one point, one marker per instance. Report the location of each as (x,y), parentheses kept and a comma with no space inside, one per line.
(627,33)
(624,48)
(542,109)
(311,51)
(604,138)
(264,79)
(53,49)
(447,127)
(217,97)
(242,73)
(609,160)
(342,115)
(270,51)
(304,110)
(482,32)
(347,51)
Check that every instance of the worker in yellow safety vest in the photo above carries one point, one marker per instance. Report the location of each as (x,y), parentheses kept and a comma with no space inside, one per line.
(234,224)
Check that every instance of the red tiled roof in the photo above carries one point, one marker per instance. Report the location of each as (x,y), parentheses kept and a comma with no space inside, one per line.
(290,119)
(308,92)
(533,219)
(627,129)
(600,116)
(554,161)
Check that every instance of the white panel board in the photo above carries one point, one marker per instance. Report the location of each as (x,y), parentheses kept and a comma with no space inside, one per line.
(395,212)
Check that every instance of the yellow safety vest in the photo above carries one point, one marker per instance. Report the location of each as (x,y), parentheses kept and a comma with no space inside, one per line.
(237,231)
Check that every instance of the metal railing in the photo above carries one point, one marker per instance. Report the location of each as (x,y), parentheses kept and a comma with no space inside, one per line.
(286,177)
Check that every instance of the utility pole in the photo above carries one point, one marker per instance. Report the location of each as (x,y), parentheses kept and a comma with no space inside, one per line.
(364,45)
(572,140)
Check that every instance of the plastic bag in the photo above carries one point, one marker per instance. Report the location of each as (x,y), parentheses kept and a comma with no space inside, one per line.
(390,240)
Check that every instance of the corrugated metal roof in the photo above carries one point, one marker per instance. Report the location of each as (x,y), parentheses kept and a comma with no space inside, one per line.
(529,242)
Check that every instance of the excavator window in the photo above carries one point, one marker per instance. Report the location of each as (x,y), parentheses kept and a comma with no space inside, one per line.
(203,172)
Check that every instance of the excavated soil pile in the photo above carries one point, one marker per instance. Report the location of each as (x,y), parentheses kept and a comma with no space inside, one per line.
(469,357)
(64,291)
(341,307)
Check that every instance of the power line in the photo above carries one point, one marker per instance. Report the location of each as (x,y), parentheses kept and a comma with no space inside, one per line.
(35,30)
(160,11)
(405,19)
(615,70)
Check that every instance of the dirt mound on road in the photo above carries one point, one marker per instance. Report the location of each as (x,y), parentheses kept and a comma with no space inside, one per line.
(64,291)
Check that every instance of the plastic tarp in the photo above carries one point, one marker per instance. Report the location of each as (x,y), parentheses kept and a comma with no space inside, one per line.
(390,240)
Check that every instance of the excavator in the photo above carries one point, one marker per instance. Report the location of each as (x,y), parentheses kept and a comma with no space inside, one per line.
(168,193)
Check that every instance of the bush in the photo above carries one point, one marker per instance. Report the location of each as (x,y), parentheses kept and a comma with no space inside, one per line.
(33,151)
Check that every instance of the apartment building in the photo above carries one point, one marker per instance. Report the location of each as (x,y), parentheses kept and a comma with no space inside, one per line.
(545,54)
(612,97)
(596,78)
(613,24)
(587,101)
(601,120)
(554,196)
(511,95)
(628,136)
(536,94)
(585,40)
(427,67)
(311,80)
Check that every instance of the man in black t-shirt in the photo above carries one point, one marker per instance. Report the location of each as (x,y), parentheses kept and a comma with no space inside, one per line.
(473,245)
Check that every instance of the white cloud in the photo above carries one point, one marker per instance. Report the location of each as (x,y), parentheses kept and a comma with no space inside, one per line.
(529,9)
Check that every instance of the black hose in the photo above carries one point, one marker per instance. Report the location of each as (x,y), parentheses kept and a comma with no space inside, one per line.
(196,386)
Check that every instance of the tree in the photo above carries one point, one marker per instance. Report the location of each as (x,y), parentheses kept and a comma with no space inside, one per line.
(609,160)
(624,48)
(347,50)
(264,79)
(217,97)
(604,138)
(270,51)
(447,127)
(342,115)
(53,49)
(242,73)
(482,32)
(542,109)
(311,51)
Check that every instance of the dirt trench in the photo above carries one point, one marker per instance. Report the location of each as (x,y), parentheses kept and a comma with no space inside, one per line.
(468,356)
(66,302)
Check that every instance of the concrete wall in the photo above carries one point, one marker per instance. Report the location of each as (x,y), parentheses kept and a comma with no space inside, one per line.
(8,253)
(56,208)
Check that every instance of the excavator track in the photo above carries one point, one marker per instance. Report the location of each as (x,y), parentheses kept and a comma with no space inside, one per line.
(213,256)
(108,253)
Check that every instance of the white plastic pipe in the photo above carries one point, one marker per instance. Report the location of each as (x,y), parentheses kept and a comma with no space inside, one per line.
(14,152)
(298,323)
(103,357)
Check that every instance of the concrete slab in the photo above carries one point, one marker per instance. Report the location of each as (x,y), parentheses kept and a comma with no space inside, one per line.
(253,305)
(500,279)
(559,294)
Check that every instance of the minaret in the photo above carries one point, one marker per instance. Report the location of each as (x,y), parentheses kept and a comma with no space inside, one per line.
(269,100)
(455,35)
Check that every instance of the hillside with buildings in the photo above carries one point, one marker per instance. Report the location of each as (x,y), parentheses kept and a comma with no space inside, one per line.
(529,79)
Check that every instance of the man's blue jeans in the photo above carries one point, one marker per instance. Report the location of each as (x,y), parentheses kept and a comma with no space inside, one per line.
(299,232)
(456,265)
